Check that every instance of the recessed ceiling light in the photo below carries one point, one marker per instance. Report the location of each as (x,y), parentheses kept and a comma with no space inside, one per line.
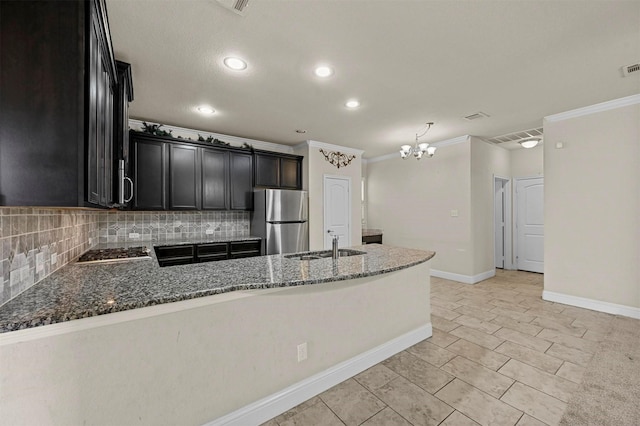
(207,110)
(323,71)
(235,64)
(352,103)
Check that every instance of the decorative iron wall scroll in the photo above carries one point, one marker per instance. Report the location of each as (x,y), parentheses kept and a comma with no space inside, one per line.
(337,158)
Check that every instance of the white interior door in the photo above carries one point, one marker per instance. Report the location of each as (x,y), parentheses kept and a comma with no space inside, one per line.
(499,222)
(530,224)
(337,210)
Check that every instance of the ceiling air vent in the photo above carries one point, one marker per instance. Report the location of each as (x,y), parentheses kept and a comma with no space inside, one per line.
(517,136)
(476,116)
(236,6)
(628,69)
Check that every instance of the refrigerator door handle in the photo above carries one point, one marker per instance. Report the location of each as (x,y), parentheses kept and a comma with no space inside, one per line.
(279,222)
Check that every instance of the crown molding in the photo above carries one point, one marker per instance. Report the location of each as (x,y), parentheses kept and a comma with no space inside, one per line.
(592,109)
(331,147)
(233,140)
(447,142)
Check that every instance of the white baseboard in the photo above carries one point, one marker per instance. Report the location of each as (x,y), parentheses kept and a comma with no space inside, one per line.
(467,279)
(267,408)
(594,305)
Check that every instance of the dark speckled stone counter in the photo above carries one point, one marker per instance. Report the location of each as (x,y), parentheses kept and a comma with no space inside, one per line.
(79,291)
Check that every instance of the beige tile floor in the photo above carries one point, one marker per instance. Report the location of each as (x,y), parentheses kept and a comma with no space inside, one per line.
(499,354)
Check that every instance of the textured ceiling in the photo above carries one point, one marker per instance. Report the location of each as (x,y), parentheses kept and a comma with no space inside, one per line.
(408,62)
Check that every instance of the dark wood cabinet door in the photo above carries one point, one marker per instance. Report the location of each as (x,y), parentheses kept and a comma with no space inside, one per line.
(57,87)
(121,189)
(267,170)
(149,159)
(100,86)
(215,175)
(184,177)
(241,181)
(94,89)
(290,173)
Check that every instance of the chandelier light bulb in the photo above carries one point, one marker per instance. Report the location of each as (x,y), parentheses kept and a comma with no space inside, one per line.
(419,149)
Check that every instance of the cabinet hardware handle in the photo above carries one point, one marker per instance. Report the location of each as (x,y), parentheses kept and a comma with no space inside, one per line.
(131,182)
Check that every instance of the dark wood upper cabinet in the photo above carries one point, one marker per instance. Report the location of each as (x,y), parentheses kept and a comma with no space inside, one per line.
(241,181)
(175,174)
(57,88)
(184,177)
(149,178)
(275,170)
(291,173)
(122,190)
(215,172)
(267,170)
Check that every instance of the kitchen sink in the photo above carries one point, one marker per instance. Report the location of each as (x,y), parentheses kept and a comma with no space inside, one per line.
(323,254)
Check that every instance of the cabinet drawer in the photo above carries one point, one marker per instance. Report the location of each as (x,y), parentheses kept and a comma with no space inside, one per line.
(245,246)
(212,249)
(241,254)
(174,255)
(175,261)
(212,257)
(174,251)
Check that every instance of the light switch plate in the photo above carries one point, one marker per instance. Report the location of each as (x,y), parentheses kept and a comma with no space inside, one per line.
(54,258)
(454,213)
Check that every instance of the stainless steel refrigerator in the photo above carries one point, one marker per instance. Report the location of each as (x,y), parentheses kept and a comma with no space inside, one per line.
(280,218)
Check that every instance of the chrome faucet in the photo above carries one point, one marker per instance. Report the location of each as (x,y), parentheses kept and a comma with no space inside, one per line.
(334,244)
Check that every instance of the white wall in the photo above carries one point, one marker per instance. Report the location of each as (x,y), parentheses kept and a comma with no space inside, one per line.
(315,167)
(411,201)
(487,160)
(527,162)
(592,205)
(193,361)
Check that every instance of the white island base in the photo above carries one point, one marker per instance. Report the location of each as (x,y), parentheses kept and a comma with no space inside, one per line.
(225,359)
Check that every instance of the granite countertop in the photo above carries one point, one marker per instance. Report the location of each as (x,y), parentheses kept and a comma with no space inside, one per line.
(79,291)
(371,232)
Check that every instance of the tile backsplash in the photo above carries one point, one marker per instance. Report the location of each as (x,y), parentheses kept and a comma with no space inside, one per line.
(34,242)
(116,227)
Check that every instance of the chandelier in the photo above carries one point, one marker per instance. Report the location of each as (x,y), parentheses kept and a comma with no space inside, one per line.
(419,149)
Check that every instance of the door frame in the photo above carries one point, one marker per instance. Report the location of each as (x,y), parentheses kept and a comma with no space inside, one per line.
(515,214)
(325,214)
(509,254)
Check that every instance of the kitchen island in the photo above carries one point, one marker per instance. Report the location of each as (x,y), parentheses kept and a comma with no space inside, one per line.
(227,347)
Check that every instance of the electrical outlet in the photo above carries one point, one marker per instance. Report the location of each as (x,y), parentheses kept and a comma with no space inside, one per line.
(90,241)
(134,235)
(209,231)
(302,351)
(54,258)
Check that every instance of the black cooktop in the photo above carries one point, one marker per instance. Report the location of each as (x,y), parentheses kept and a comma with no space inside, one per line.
(115,254)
